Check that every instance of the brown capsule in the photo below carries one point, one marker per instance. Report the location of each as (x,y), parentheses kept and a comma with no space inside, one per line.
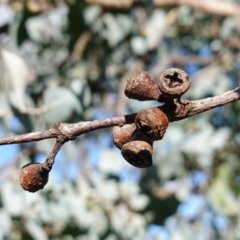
(152,123)
(123,134)
(142,87)
(33,177)
(173,83)
(138,153)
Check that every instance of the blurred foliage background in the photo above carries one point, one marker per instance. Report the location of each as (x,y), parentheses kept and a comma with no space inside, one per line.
(68,61)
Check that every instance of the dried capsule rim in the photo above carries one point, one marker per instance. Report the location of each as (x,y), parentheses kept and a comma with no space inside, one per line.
(138,153)
(171,85)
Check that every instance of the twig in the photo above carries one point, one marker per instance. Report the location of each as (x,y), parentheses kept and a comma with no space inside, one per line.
(180,110)
(47,165)
(140,86)
(170,19)
(212,7)
(80,45)
(112,3)
(68,131)
(34,177)
(217,7)
(185,108)
(206,104)
(191,59)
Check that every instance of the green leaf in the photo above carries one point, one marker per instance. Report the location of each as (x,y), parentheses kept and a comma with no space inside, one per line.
(61,103)
(15,77)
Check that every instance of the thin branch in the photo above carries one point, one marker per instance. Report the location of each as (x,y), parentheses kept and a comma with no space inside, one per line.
(191,59)
(112,3)
(176,111)
(206,104)
(47,165)
(185,109)
(170,19)
(29,137)
(80,46)
(68,131)
(216,7)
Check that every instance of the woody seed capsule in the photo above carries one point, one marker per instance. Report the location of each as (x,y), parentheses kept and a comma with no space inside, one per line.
(142,87)
(138,153)
(123,134)
(173,83)
(152,123)
(33,177)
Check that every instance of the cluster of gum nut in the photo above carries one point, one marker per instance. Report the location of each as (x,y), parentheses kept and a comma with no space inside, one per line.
(136,140)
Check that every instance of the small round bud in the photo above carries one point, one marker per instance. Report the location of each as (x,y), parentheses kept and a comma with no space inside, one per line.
(173,83)
(33,177)
(152,123)
(123,134)
(138,153)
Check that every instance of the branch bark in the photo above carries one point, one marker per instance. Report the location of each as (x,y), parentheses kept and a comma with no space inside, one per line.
(216,7)
(176,110)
